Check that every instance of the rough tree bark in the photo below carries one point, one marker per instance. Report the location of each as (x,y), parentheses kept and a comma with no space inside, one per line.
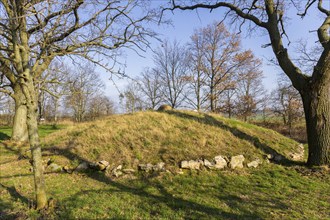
(19,132)
(316,100)
(30,93)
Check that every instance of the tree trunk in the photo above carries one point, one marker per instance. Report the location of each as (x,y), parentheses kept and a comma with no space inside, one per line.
(31,96)
(19,132)
(317,113)
(39,182)
(55,110)
(212,99)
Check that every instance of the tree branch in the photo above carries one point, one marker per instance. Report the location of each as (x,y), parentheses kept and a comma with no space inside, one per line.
(323,10)
(230,6)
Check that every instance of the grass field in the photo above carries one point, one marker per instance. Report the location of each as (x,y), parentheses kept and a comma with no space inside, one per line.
(272,191)
(44,130)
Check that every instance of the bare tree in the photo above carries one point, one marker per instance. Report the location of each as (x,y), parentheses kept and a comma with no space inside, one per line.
(131,98)
(6,109)
(265,104)
(84,84)
(33,33)
(219,63)
(196,95)
(287,103)
(227,101)
(171,63)
(149,83)
(54,84)
(249,85)
(100,105)
(269,15)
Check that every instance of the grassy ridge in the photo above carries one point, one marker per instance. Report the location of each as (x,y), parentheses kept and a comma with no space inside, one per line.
(272,191)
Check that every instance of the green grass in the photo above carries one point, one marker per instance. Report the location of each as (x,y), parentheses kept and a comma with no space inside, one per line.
(5,133)
(271,191)
(44,130)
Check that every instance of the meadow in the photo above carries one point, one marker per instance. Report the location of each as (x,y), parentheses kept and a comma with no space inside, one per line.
(282,190)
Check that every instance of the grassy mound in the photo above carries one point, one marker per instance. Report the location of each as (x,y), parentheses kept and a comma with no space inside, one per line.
(169,137)
(271,191)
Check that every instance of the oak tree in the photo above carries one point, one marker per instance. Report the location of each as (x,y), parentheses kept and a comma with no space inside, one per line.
(313,85)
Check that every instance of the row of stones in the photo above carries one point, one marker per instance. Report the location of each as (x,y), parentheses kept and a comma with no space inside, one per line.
(218,162)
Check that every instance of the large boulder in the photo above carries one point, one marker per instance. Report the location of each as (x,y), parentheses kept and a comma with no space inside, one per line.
(236,162)
(220,162)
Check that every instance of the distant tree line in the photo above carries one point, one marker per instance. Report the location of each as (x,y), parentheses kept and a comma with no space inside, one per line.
(211,73)
(71,92)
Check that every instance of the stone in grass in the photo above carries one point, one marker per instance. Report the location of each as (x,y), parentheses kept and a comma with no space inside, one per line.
(159,167)
(299,155)
(100,166)
(269,156)
(82,167)
(236,162)
(254,163)
(53,167)
(220,162)
(117,171)
(146,167)
(128,171)
(191,164)
(103,164)
(208,164)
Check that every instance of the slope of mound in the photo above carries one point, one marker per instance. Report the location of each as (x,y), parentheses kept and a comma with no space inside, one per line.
(167,136)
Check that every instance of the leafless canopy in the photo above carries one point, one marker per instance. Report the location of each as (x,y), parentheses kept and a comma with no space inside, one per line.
(33,33)
(270,15)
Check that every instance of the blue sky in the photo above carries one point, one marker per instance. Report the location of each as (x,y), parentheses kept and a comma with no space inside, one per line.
(183,25)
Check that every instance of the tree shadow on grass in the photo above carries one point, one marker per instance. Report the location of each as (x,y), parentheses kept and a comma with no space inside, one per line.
(4,136)
(15,194)
(210,120)
(152,203)
(188,208)
(6,206)
(21,149)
